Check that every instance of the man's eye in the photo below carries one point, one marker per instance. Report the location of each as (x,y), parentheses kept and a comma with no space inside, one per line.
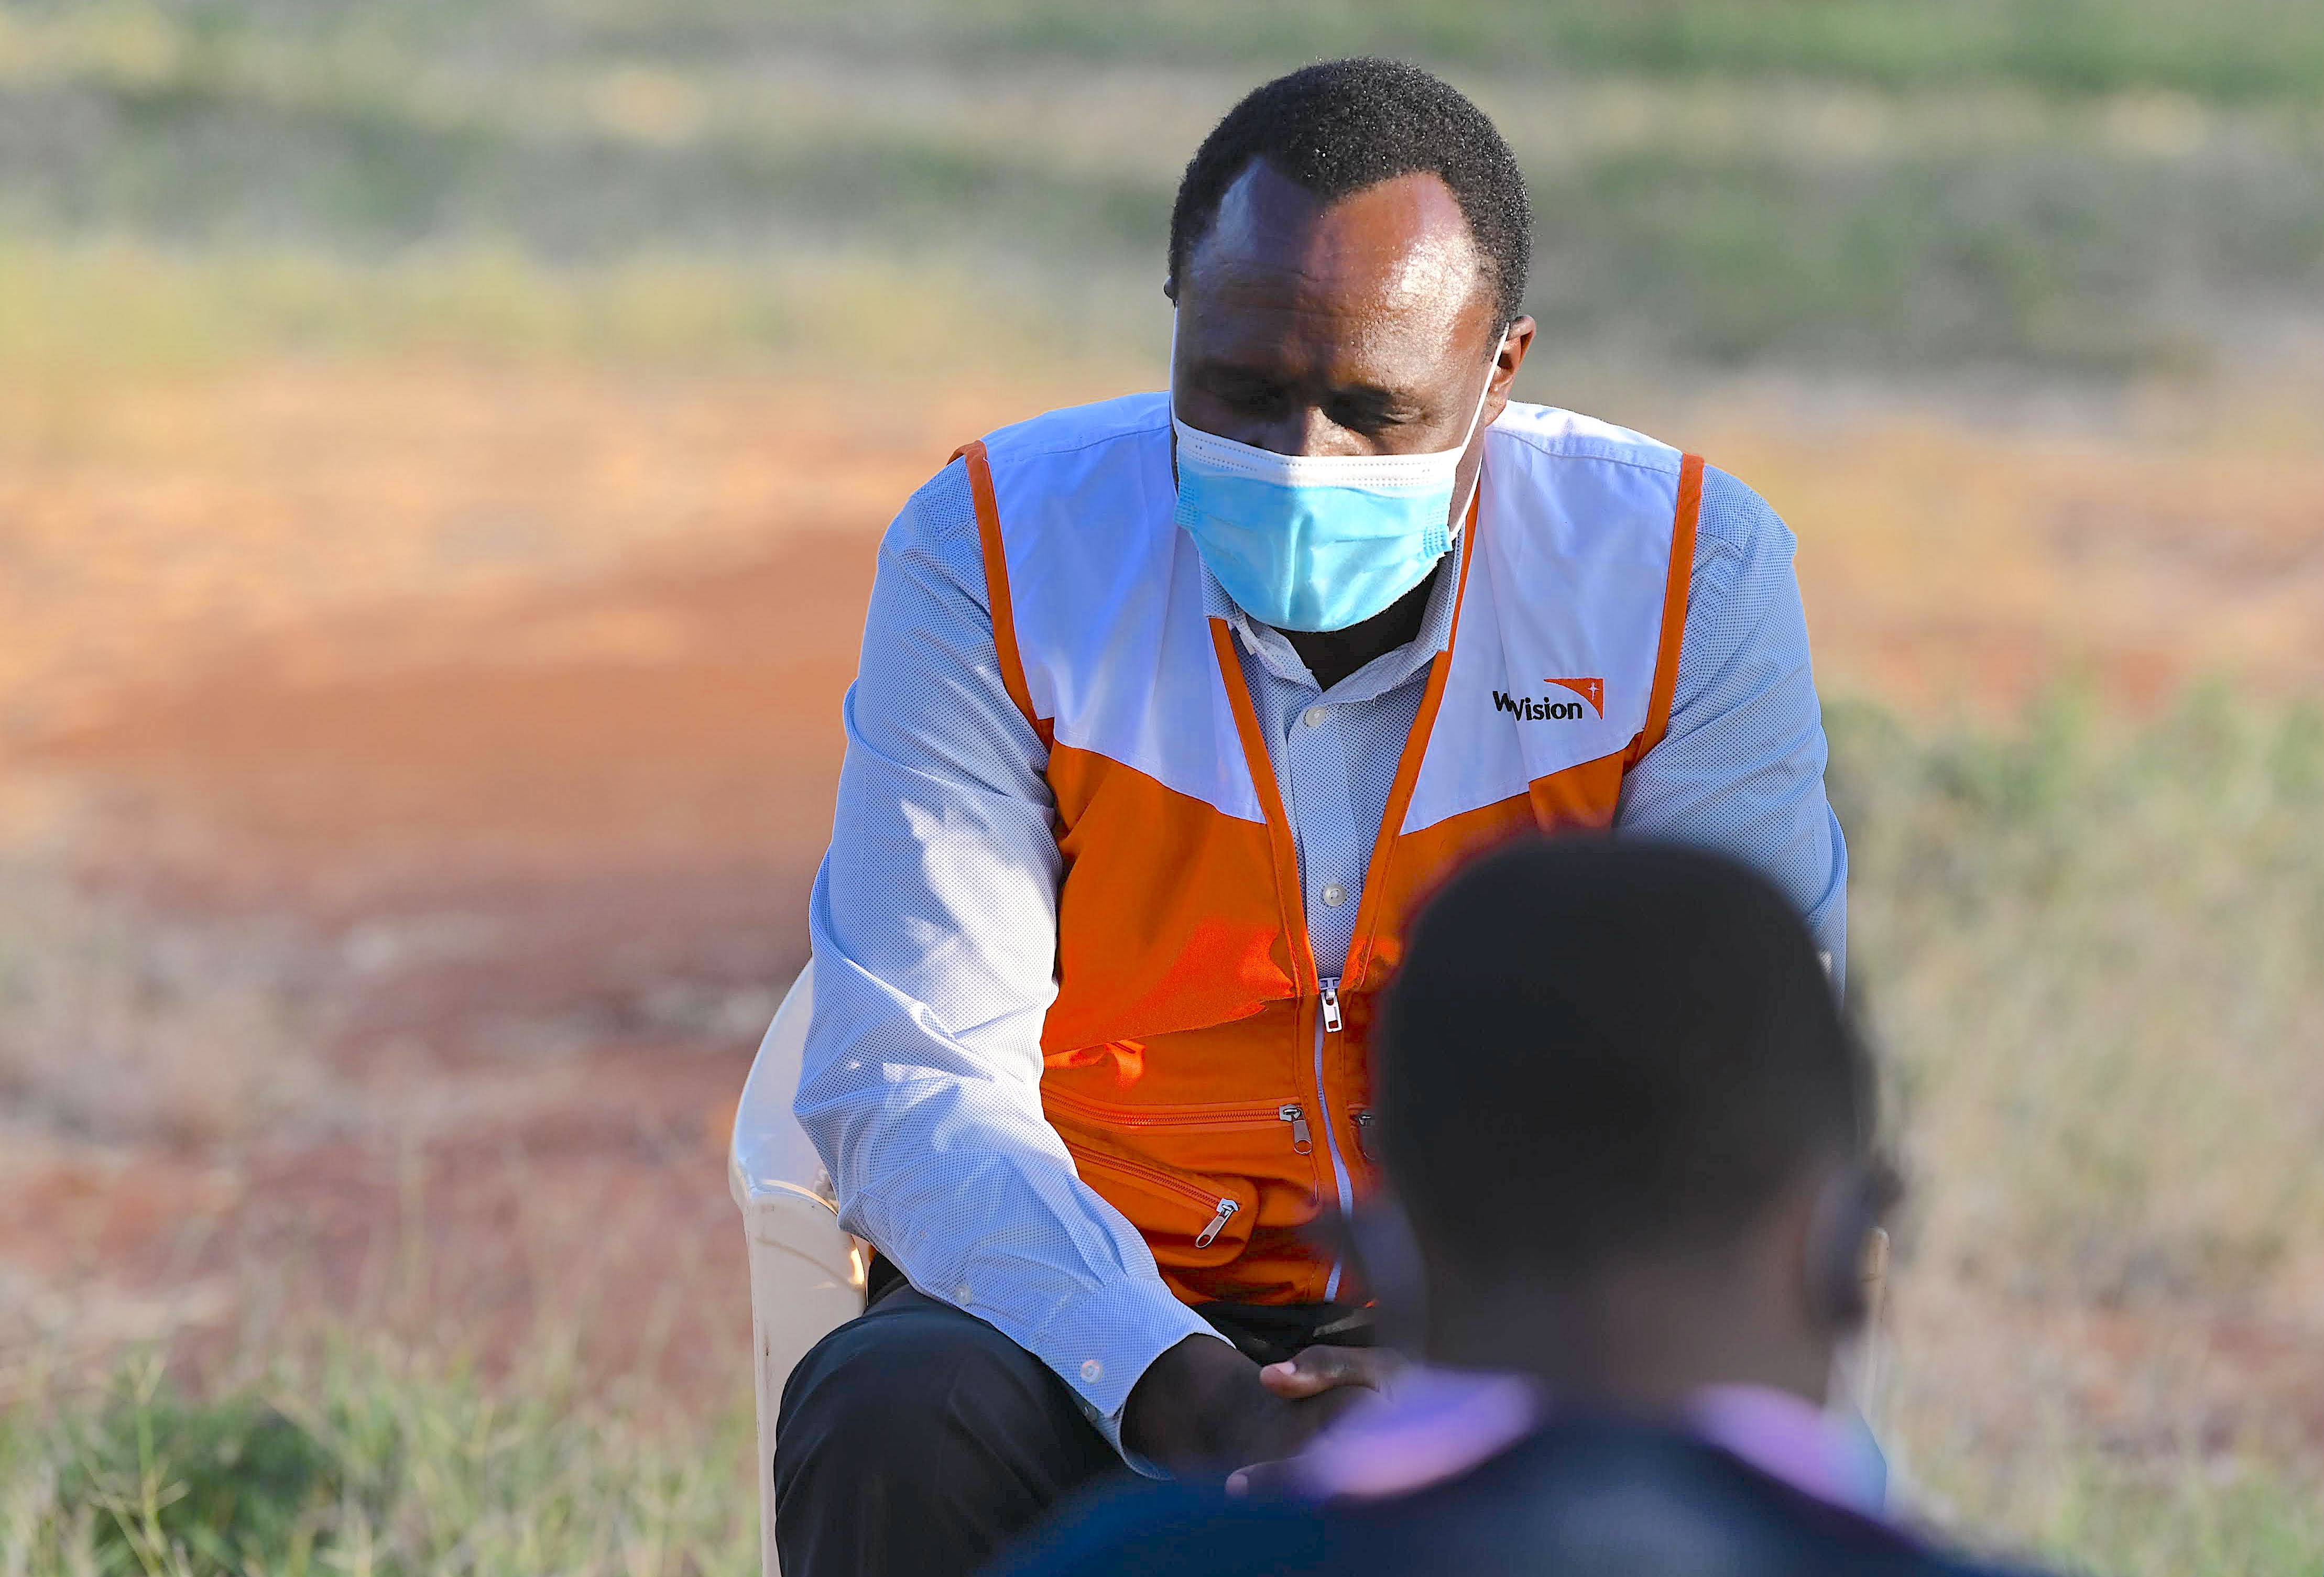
(1369,417)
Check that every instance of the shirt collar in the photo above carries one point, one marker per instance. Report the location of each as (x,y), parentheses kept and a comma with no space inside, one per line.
(1816,1450)
(1434,1423)
(1383,673)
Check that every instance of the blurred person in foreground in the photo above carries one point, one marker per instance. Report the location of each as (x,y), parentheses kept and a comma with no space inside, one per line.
(1170,709)
(1629,1187)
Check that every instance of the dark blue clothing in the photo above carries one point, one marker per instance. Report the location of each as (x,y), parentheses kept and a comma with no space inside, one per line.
(1577,1498)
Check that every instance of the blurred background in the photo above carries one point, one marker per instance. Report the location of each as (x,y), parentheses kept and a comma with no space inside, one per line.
(442,448)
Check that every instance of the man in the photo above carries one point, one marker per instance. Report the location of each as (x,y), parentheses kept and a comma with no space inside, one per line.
(1170,710)
(1631,1136)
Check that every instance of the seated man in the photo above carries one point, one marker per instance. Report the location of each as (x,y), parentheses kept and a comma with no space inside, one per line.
(1171,708)
(1629,1132)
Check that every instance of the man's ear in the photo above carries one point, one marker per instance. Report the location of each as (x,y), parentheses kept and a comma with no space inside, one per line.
(1844,1237)
(1516,340)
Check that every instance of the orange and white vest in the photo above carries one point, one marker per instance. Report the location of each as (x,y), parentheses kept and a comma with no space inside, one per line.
(1194,1049)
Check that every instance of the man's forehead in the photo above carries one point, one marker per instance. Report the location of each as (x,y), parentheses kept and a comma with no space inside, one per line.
(1395,258)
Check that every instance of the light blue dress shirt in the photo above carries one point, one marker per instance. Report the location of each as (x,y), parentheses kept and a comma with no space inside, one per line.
(933,916)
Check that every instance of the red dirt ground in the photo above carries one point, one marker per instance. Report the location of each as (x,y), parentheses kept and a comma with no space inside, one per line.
(516,855)
(549,906)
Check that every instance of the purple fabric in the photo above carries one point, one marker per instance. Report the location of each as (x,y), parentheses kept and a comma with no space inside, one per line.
(1436,1423)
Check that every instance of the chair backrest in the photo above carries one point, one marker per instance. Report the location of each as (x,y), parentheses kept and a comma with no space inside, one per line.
(771,1152)
(807,1274)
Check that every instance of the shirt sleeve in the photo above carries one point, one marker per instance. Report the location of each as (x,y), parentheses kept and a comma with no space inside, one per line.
(934,920)
(1741,769)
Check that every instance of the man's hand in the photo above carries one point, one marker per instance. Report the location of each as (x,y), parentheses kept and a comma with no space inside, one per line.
(1318,1369)
(1203,1405)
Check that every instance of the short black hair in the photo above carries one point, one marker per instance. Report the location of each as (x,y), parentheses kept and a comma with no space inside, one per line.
(1339,127)
(1595,1048)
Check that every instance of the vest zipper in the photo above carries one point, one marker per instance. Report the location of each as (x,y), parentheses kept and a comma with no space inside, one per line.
(1363,1116)
(1227,1209)
(1302,1139)
(1328,1022)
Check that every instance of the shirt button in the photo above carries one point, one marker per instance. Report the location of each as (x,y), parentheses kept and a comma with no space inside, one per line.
(1314,716)
(1334,895)
(1090,1369)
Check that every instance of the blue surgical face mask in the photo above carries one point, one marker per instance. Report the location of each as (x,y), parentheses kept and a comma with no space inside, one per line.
(1317,541)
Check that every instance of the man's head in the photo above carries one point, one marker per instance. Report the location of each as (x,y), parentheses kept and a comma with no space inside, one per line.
(1614,1079)
(1346,251)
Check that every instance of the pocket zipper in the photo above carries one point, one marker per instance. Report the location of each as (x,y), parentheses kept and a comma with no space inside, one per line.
(1363,1116)
(1224,1208)
(1228,1116)
(1227,1209)
(1302,1140)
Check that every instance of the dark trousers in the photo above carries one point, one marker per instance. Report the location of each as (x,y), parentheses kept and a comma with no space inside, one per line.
(918,1440)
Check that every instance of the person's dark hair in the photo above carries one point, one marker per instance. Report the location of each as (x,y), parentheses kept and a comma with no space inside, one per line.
(1594,1046)
(1339,127)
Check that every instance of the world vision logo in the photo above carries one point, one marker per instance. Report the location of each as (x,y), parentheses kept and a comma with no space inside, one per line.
(1527,709)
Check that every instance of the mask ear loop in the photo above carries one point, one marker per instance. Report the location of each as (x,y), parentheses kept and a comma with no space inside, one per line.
(1492,365)
(1170,366)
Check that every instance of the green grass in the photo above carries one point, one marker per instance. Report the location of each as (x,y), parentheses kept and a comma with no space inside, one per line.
(367,1464)
(2092,187)
(2230,48)
(2223,48)
(373,1465)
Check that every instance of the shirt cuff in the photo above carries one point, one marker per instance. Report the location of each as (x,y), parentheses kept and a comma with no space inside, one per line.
(1101,1343)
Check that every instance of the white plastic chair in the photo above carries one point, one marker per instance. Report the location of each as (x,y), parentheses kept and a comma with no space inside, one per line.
(807,1274)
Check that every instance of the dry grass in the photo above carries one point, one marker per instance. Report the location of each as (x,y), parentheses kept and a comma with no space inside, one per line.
(68,308)
(2092,950)
(138,1032)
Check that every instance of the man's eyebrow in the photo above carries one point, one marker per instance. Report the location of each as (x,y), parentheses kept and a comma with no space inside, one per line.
(1224,373)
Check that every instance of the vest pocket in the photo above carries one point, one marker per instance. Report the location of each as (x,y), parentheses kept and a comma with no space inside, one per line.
(1188,1220)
